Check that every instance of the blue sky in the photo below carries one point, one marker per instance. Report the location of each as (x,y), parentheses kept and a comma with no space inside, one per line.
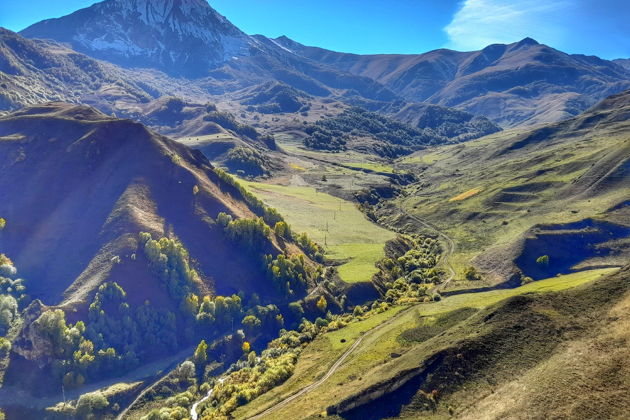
(598,27)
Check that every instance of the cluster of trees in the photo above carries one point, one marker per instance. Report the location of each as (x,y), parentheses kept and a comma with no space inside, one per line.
(169,261)
(227,121)
(8,312)
(247,160)
(253,234)
(110,342)
(252,376)
(471,274)
(13,298)
(262,319)
(270,215)
(310,247)
(398,138)
(288,273)
(409,276)
(218,313)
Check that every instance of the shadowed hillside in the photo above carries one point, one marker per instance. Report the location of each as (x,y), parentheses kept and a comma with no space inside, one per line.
(78,186)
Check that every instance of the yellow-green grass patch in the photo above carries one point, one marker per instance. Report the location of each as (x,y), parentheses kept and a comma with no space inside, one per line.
(466,194)
(336,224)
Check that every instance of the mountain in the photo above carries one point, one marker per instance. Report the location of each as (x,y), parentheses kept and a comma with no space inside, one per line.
(450,123)
(558,190)
(78,186)
(624,62)
(188,38)
(521,83)
(183,37)
(39,71)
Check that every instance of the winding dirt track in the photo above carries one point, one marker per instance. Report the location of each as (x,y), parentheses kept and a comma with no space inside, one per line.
(333,368)
(450,249)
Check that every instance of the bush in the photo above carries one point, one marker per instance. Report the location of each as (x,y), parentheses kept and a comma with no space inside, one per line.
(248,160)
(91,404)
(472,274)
(543,262)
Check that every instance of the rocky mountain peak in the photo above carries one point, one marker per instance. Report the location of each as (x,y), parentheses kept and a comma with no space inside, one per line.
(181,37)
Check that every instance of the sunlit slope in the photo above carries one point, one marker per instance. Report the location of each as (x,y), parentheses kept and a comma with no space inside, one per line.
(336,224)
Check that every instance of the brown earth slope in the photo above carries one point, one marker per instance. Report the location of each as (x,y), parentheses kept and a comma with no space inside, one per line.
(77,188)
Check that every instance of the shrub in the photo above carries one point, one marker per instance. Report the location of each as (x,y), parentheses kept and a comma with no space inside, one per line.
(91,404)
(543,261)
(322,304)
(201,354)
(472,274)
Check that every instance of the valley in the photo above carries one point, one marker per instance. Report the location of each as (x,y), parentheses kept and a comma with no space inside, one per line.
(199,223)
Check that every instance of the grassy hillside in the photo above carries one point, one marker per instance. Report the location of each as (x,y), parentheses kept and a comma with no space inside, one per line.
(495,189)
(128,259)
(345,233)
(404,341)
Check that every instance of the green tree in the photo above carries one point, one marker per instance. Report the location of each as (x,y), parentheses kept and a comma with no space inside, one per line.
(322,304)
(252,325)
(201,354)
(543,261)
(89,405)
(282,230)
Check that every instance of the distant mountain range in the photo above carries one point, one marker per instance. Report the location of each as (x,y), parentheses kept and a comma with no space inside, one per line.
(520,83)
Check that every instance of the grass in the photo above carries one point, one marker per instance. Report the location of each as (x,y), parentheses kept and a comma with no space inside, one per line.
(344,232)
(206,138)
(369,362)
(513,191)
(466,194)
(372,166)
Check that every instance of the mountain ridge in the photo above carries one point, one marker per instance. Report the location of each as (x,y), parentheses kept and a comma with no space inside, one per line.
(500,81)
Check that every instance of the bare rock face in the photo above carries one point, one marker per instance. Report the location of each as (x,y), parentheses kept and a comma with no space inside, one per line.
(181,37)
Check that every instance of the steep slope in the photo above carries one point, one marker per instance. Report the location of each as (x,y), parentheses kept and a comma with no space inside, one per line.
(184,37)
(559,190)
(451,123)
(624,62)
(78,186)
(520,83)
(553,355)
(188,38)
(36,71)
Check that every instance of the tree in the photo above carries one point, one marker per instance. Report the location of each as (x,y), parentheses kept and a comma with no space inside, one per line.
(3,223)
(282,230)
(322,304)
(201,354)
(296,309)
(472,274)
(543,261)
(252,325)
(89,404)
(246,347)
(186,370)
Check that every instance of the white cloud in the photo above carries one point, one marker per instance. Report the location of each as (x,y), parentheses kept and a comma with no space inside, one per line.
(479,23)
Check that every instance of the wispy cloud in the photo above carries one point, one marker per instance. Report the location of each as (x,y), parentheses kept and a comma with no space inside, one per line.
(479,23)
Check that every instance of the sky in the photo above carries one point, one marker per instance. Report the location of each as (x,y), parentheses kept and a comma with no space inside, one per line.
(593,27)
